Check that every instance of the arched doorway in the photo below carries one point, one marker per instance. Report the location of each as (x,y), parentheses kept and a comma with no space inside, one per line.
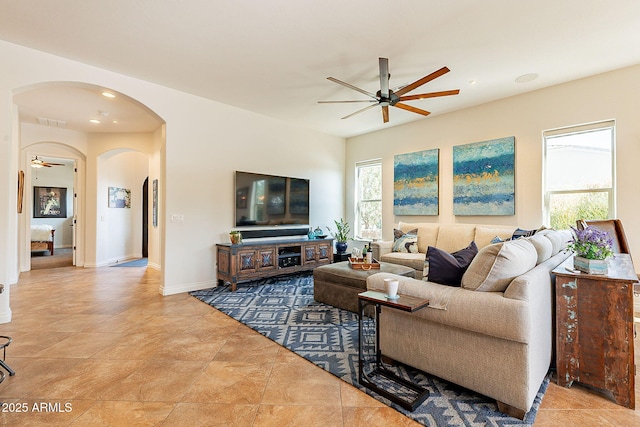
(54,119)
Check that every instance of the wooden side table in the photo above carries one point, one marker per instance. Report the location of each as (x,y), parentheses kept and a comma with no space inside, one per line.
(404,303)
(594,321)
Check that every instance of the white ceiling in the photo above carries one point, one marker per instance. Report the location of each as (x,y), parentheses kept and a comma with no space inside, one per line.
(273,57)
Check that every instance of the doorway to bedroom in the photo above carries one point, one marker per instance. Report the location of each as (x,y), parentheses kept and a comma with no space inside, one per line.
(53,212)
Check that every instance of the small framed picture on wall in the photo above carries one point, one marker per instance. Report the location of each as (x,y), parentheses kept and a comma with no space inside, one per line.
(49,202)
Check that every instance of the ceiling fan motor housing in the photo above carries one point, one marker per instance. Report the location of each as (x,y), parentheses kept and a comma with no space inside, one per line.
(391,100)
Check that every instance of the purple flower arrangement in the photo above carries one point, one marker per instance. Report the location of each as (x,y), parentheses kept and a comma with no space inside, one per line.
(591,243)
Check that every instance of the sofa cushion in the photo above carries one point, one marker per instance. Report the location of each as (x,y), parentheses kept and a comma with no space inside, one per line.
(453,237)
(558,240)
(415,261)
(498,264)
(427,236)
(543,246)
(405,242)
(486,233)
(447,268)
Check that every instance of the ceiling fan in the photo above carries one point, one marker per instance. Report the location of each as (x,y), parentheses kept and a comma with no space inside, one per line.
(386,97)
(39,163)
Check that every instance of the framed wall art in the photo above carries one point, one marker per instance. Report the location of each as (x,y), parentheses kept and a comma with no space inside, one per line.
(415,183)
(484,178)
(49,202)
(155,203)
(119,197)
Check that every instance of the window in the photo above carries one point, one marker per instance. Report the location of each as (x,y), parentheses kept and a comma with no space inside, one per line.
(368,200)
(579,165)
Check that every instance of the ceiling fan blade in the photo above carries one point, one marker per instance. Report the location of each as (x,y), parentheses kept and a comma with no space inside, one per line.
(430,95)
(343,102)
(46,165)
(384,77)
(412,109)
(360,111)
(385,113)
(340,82)
(53,164)
(425,79)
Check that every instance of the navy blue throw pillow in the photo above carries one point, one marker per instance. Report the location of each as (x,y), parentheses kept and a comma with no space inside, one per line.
(447,269)
(522,233)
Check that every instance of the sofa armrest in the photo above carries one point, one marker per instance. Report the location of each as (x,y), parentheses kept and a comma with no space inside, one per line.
(438,295)
(381,248)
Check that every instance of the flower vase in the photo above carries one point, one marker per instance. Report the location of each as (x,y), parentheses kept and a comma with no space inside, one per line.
(590,266)
(341,247)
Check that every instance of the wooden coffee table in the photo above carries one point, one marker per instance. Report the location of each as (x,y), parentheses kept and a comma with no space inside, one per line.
(405,303)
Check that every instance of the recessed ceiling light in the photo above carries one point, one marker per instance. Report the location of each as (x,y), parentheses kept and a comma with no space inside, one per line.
(108,94)
(94,121)
(525,78)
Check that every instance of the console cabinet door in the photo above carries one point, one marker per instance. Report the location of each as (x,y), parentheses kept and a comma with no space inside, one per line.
(310,253)
(267,259)
(325,251)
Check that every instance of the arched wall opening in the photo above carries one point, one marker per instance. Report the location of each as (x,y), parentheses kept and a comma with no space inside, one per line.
(127,149)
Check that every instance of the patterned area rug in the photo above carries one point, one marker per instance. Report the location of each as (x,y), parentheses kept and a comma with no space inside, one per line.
(283,309)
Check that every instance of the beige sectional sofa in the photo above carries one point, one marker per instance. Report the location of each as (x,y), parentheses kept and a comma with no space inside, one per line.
(494,334)
(448,237)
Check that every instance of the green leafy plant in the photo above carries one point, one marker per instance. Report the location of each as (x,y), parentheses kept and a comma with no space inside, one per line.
(342,230)
(591,243)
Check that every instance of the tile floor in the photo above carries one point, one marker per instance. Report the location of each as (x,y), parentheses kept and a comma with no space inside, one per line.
(101,347)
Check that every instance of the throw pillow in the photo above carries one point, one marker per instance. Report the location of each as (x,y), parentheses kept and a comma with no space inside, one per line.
(519,232)
(497,265)
(405,242)
(447,268)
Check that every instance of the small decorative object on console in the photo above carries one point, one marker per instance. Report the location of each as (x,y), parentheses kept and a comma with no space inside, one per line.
(235,237)
(592,247)
(341,235)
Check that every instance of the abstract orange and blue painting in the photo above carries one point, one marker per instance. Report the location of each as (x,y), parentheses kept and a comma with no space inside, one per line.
(415,183)
(484,178)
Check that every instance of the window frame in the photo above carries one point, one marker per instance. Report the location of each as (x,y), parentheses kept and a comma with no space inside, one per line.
(357,229)
(574,130)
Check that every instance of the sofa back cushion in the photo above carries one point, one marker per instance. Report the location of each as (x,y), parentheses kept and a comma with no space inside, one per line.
(427,233)
(486,233)
(453,237)
(498,264)
(543,246)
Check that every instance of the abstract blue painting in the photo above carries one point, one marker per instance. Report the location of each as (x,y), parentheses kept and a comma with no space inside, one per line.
(415,183)
(484,178)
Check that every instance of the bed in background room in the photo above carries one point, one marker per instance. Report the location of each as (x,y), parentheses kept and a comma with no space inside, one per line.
(42,238)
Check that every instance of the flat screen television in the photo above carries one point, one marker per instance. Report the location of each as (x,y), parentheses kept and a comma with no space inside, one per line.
(270,200)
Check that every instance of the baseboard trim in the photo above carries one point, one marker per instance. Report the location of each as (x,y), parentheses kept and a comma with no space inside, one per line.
(172,290)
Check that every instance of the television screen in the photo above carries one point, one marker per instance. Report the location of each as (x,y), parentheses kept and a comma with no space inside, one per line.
(268,200)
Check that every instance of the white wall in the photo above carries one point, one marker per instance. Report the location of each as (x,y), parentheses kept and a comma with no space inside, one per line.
(613,95)
(205,143)
(124,225)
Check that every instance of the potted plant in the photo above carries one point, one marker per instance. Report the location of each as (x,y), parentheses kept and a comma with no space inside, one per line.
(341,235)
(592,247)
(235,236)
